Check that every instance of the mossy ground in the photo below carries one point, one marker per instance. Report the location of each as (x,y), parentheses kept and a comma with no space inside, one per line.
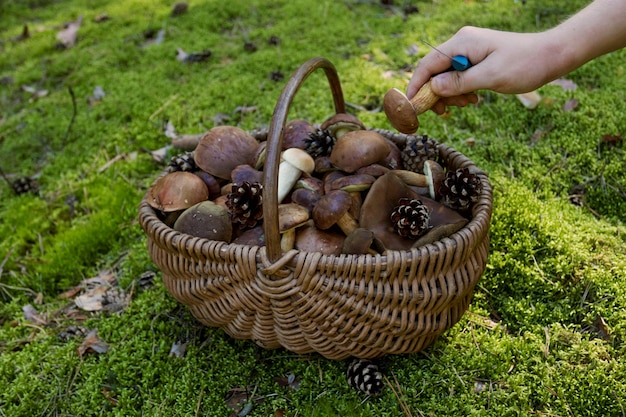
(534,341)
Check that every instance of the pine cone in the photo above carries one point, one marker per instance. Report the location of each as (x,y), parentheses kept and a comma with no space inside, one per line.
(460,189)
(417,150)
(320,143)
(25,185)
(182,162)
(245,204)
(364,375)
(410,218)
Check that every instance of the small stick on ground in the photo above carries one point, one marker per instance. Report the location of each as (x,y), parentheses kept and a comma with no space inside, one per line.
(69,127)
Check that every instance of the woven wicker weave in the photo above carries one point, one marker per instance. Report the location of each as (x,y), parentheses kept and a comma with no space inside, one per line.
(339,306)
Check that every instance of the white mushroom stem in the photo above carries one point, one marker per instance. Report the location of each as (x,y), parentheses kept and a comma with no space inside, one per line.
(288,240)
(287,177)
(294,162)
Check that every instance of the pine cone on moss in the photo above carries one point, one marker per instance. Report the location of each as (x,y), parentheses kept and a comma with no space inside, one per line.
(460,189)
(410,218)
(364,375)
(245,204)
(182,162)
(320,143)
(418,149)
(24,185)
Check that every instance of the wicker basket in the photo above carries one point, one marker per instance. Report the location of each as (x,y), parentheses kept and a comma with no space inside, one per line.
(338,306)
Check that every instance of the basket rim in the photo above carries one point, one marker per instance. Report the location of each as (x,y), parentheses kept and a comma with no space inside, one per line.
(476,227)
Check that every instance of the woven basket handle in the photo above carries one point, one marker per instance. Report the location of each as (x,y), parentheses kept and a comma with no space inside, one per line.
(275,141)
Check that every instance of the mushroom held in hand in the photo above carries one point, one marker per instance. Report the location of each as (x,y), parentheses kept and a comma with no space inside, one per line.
(206,220)
(222,148)
(294,162)
(402,112)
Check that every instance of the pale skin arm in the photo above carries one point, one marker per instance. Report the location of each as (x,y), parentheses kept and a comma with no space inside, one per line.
(514,63)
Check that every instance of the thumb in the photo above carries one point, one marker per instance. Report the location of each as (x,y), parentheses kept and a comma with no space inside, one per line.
(451,84)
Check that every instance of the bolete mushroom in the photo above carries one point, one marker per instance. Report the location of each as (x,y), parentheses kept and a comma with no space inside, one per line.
(339,124)
(333,208)
(290,216)
(206,220)
(357,149)
(434,177)
(296,133)
(294,162)
(222,148)
(402,112)
(175,192)
(312,239)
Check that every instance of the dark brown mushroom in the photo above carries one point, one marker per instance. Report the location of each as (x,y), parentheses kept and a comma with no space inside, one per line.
(342,123)
(290,217)
(175,192)
(333,208)
(206,220)
(357,149)
(296,133)
(312,239)
(222,148)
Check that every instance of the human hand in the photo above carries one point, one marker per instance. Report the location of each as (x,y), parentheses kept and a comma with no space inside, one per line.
(504,62)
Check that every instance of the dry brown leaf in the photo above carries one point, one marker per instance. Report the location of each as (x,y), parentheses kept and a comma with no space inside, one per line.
(612,140)
(92,344)
(69,34)
(529,100)
(33,315)
(570,105)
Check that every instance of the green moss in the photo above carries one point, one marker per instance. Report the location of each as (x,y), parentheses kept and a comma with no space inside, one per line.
(534,342)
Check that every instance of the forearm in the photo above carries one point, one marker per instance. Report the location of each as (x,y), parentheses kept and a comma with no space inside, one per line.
(598,29)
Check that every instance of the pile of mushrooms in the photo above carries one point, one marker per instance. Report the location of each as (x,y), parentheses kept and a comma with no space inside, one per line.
(336,203)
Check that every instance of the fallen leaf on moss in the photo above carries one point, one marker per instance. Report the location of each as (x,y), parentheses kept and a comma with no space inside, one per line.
(33,315)
(567,85)
(611,140)
(185,57)
(92,344)
(101,293)
(35,94)
(68,36)
(570,105)
(178,349)
(290,380)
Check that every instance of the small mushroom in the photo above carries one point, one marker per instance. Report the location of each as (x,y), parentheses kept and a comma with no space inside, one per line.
(341,123)
(251,237)
(294,162)
(402,112)
(359,242)
(246,173)
(206,220)
(333,208)
(175,192)
(353,183)
(295,134)
(305,197)
(357,149)
(290,216)
(222,148)
(312,239)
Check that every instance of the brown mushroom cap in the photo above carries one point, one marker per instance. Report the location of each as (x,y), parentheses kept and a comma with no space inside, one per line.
(291,215)
(177,191)
(357,149)
(341,123)
(206,220)
(312,239)
(296,132)
(358,242)
(400,111)
(330,208)
(222,148)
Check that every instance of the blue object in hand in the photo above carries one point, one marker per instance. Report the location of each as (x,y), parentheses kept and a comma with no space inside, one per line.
(460,63)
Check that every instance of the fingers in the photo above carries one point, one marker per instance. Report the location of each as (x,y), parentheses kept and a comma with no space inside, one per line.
(433,63)
(457,101)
